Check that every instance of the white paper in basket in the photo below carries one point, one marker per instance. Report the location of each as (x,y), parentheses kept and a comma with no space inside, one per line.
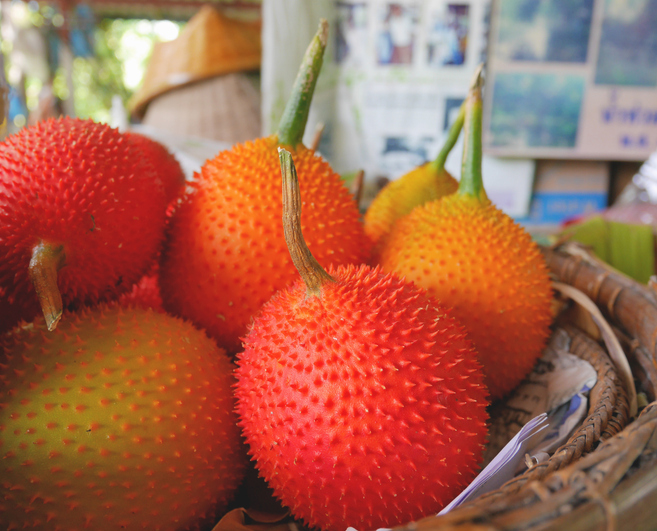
(502,468)
(558,385)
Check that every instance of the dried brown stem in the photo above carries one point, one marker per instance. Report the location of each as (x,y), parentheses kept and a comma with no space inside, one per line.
(311,272)
(47,259)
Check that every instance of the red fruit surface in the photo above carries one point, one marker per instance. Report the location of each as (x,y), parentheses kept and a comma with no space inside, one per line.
(116,420)
(166,165)
(363,406)
(226,254)
(84,186)
(145,293)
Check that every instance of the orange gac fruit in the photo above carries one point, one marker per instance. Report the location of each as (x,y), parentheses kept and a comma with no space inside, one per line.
(476,260)
(225,254)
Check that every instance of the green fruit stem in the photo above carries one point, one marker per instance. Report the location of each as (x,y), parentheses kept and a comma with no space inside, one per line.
(47,259)
(438,164)
(293,123)
(311,272)
(471,183)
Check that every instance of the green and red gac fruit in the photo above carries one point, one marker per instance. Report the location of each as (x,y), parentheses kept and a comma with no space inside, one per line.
(225,254)
(361,399)
(118,419)
(82,215)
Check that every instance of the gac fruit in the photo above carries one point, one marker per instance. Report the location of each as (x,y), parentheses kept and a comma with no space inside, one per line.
(118,419)
(82,216)
(361,399)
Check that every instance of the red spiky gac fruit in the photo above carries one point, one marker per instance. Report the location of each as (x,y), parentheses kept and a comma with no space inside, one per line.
(361,399)
(475,259)
(225,254)
(166,165)
(82,215)
(118,419)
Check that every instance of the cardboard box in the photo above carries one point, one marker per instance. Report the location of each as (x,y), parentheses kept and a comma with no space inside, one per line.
(564,190)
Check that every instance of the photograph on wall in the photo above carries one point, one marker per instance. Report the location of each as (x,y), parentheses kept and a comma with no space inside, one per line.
(351,33)
(400,153)
(397,35)
(628,46)
(447,34)
(535,109)
(549,30)
(572,79)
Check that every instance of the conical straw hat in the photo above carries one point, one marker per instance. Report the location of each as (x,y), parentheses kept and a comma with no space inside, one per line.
(224,108)
(211,44)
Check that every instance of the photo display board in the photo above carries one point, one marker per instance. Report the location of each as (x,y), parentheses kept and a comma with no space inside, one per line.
(572,79)
(394,75)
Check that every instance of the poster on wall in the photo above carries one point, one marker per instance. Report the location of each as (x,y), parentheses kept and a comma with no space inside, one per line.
(405,68)
(394,76)
(572,79)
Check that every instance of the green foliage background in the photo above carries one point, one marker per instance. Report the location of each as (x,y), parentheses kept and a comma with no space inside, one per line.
(99,78)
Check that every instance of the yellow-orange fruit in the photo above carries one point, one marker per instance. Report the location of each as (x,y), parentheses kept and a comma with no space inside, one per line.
(475,259)
(118,419)
(226,255)
(423,184)
(399,197)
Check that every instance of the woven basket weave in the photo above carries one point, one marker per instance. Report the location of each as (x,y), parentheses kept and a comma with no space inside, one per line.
(605,476)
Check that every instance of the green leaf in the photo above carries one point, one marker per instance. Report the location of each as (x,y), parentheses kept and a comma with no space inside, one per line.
(627,247)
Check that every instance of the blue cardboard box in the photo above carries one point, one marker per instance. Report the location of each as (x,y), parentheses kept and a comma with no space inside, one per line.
(564,190)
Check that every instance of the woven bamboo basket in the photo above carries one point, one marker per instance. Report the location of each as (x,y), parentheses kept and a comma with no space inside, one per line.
(605,476)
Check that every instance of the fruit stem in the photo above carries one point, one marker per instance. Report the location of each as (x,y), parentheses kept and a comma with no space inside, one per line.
(472,183)
(438,164)
(293,123)
(357,187)
(311,272)
(47,259)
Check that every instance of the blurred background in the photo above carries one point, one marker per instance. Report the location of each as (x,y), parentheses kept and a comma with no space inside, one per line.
(570,110)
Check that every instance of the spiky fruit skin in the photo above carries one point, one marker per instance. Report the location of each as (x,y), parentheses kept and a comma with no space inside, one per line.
(82,185)
(166,165)
(399,197)
(364,406)
(226,253)
(118,419)
(145,293)
(475,259)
